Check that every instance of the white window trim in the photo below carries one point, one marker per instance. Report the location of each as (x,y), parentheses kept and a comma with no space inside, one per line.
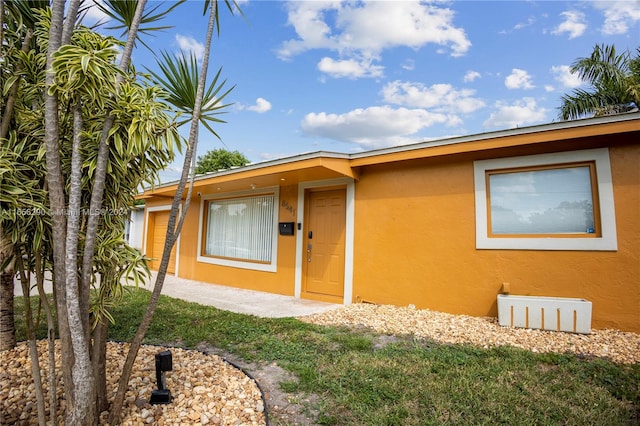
(266,267)
(607,242)
(165,207)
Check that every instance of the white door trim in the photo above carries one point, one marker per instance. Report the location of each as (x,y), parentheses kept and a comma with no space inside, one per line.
(349,233)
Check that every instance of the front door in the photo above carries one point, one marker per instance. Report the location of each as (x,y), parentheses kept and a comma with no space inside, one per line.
(324,245)
(158,235)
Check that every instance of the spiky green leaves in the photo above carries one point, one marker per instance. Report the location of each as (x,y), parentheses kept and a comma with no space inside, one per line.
(178,77)
(122,12)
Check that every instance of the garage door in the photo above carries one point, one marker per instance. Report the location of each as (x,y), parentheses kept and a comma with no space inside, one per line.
(158,234)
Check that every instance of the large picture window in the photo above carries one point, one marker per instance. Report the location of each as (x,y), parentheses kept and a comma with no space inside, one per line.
(555,200)
(559,201)
(240,228)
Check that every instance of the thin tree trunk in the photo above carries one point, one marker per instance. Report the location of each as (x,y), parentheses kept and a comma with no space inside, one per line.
(100,333)
(55,182)
(33,348)
(101,170)
(1,25)
(99,349)
(172,231)
(7,323)
(51,338)
(83,381)
(7,320)
(99,360)
(70,21)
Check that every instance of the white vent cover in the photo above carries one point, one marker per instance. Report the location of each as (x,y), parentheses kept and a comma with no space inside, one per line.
(545,313)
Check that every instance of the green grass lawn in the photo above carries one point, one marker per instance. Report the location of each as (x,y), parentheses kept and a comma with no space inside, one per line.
(406,382)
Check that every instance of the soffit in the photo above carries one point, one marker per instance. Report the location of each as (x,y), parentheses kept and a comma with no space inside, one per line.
(282,174)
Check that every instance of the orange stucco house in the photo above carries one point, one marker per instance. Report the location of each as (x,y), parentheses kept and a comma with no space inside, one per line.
(550,210)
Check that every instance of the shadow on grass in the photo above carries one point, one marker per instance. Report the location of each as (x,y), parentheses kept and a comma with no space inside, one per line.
(361,377)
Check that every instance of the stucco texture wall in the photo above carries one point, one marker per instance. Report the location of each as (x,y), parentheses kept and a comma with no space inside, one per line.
(415,244)
(281,282)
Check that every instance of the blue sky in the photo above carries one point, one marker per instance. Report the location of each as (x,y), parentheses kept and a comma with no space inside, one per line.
(350,76)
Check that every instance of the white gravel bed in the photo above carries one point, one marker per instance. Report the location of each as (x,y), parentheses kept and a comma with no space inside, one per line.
(206,389)
(619,346)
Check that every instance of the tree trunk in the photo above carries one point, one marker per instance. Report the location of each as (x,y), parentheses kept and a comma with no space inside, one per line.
(70,22)
(7,323)
(33,348)
(1,21)
(101,165)
(99,344)
(55,182)
(51,337)
(83,380)
(172,231)
(99,360)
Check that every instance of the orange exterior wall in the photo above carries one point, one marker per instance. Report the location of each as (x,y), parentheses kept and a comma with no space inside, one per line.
(281,282)
(415,244)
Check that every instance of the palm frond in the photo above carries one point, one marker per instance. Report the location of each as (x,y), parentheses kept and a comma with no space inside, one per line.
(604,64)
(123,12)
(614,80)
(178,77)
(579,104)
(232,6)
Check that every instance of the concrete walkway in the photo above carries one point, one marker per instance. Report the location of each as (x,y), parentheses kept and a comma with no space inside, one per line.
(249,302)
(232,299)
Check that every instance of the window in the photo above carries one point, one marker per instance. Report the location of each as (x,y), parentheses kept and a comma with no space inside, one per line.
(549,200)
(561,201)
(239,231)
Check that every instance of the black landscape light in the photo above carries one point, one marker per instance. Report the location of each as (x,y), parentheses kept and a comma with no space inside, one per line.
(162,395)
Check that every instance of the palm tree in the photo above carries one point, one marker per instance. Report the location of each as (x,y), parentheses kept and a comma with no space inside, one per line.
(26,238)
(615,81)
(202,106)
(65,59)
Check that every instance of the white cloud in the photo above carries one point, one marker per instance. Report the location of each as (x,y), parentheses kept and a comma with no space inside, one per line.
(471,76)
(261,106)
(574,24)
(522,25)
(94,14)
(350,68)
(190,45)
(518,79)
(268,156)
(374,127)
(409,65)
(365,29)
(564,76)
(619,16)
(549,88)
(439,97)
(520,113)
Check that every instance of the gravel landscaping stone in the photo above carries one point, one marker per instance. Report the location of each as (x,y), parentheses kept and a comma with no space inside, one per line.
(206,389)
(209,391)
(618,346)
